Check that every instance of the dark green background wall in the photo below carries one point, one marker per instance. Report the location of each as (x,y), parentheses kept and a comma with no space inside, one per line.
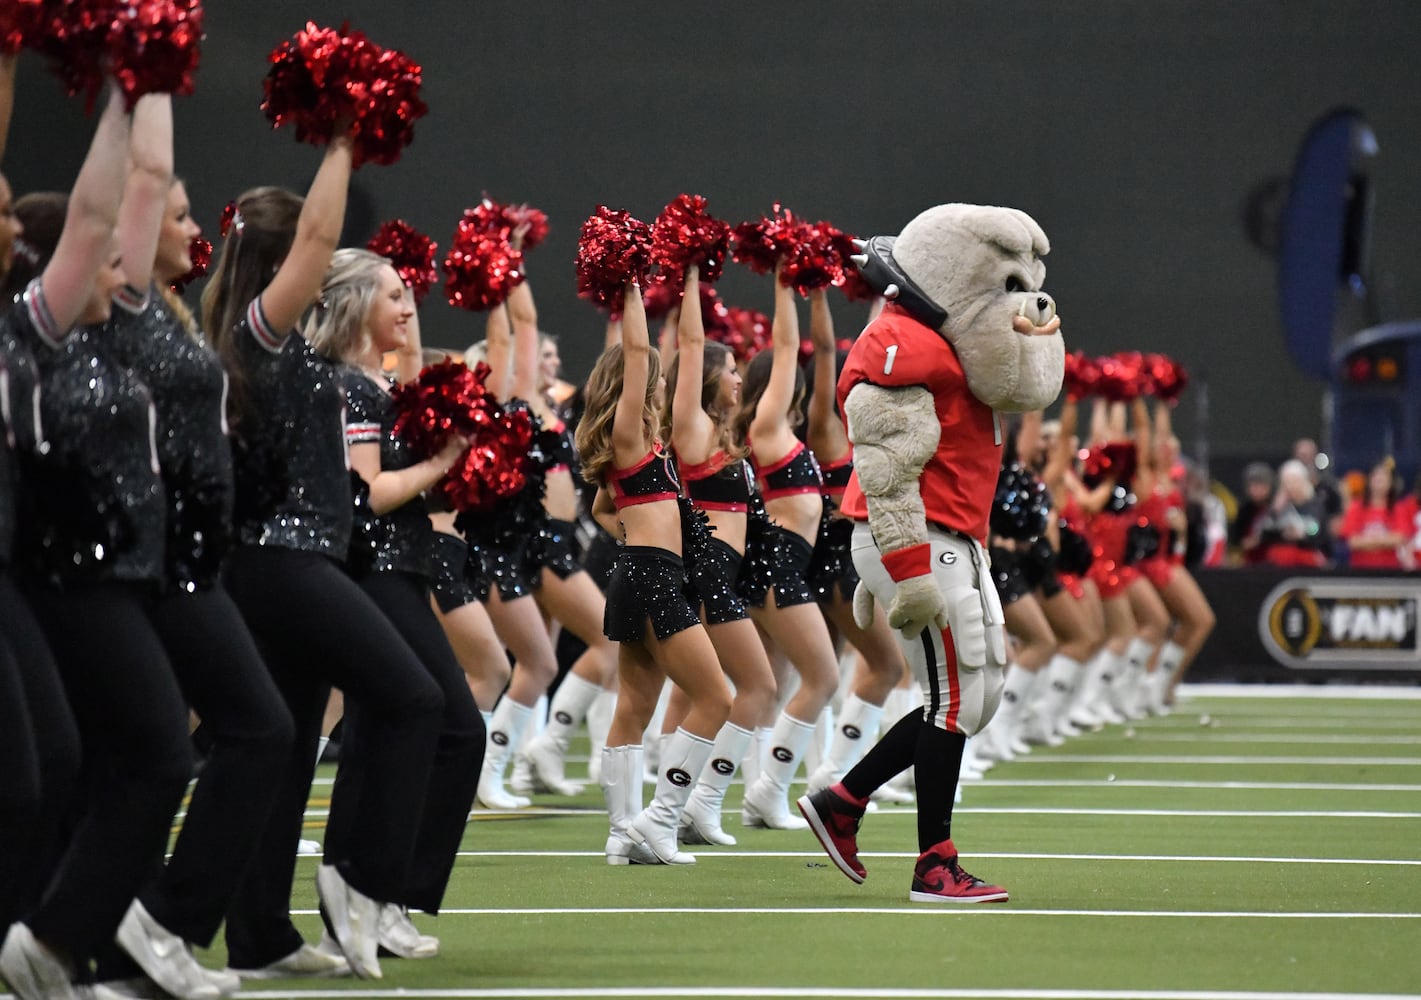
(1133,130)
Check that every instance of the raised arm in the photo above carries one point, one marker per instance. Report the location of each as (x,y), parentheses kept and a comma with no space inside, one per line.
(499,344)
(68,279)
(297,282)
(613,334)
(690,426)
(145,197)
(827,437)
(629,438)
(523,315)
(772,412)
(1146,474)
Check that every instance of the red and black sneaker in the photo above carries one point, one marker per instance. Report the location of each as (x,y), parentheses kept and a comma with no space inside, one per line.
(835,821)
(938,878)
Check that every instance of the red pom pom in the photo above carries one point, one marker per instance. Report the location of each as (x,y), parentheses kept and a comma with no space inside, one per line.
(850,281)
(200,252)
(498,219)
(745,331)
(480,268)
(155,46)
(447,399)
(685,234)
(810,255)
(1082,374)
(612,249)
(1115,460)
(410,251)
(1167,377)
(1121,376)
(496,465)
(21,24)
(75,40)
(323,78)
(759,245)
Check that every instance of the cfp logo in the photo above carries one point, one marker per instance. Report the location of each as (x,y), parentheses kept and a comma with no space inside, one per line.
(1366,624)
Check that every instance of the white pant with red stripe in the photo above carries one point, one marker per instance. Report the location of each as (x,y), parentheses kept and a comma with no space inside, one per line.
(956,697)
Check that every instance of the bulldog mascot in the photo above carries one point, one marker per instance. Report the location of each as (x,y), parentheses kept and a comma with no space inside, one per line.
(966,335)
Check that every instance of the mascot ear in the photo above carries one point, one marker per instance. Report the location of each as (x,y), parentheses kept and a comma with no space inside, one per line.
(880,269)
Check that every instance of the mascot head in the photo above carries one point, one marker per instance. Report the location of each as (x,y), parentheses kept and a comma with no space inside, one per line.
(974,274)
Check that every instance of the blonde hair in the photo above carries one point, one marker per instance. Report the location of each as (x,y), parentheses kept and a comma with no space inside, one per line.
(336,328)
(179,309)
(604,389)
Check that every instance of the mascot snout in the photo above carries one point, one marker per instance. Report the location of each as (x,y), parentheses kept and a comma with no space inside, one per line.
(1037,308)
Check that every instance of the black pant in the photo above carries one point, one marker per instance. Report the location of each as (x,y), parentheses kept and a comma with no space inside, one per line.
(224,680)
(137,759)
(39,757)
(460,755)
(317,629)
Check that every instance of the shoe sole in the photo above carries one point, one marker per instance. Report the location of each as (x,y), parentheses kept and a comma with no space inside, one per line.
(821,833)
(932,897)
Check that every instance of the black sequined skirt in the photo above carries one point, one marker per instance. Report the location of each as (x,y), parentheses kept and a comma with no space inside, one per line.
(647,584)
(456,582)
(832,567)
(713,578)
(510,567)
(1012,584)
(785,573)
(1038,565)
(556,548)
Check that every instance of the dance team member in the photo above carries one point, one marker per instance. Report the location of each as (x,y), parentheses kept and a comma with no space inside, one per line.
(660,634)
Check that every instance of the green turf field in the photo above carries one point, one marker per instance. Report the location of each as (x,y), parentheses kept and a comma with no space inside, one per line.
(1247,846)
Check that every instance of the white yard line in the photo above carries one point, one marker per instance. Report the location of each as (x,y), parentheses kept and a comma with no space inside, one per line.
(1287,786)
(896,911)
(1146,735)
(1230,760)
(1322,692)
(996,856)
(813,992)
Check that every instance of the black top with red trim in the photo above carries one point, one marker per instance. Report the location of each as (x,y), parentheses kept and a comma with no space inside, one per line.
(189,390)
(795,474)
(719,483)
(836,476)
(401,540)
(288,447)
(93,504)
(651,479)
(562,455)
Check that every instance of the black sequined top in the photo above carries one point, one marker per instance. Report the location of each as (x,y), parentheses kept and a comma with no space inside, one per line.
(563,452)
(94,501)
(796,473)
(189,391)
(836,476)
(719,483)
(19,410)
(288,448)
(651,479)
(403,538)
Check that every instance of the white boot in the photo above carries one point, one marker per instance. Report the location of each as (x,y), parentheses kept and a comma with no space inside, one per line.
(700,822)
(546,753)
(505,734)
(683,756)
(1092,706)
(766,802)
(1129,697)
(855,733)
(999,736)
(599,724)
(1171,655)
(818,749)
(753,764)
(621,788)
(1049,700)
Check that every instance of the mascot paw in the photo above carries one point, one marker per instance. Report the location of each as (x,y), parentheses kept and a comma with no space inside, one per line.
(863,606)
(916,605)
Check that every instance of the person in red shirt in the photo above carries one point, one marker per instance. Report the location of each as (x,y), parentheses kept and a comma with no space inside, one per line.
(1376,525)
(968,333)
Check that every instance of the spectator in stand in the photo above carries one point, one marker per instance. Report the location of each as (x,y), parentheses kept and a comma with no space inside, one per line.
(1294,531)
(1324,483)
(1246,532)
(1377,525)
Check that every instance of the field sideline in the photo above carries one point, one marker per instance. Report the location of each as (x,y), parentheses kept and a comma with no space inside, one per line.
(1258,844)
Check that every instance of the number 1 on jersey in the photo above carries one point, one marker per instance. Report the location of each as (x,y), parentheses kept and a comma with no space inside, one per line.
(888,361)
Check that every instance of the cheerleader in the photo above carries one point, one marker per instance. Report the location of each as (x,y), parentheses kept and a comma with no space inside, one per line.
(1163,508)
(704,386)
(315,626)
(93,546)
(221,675)
(364,312)
(660,634)
(1056,565)
(785,609)
(563,590)
(878,664)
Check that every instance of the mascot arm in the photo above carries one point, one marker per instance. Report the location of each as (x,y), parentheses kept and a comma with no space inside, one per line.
(894,433)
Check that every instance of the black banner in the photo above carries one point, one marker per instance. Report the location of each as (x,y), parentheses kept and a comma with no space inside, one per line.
(1300,626)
